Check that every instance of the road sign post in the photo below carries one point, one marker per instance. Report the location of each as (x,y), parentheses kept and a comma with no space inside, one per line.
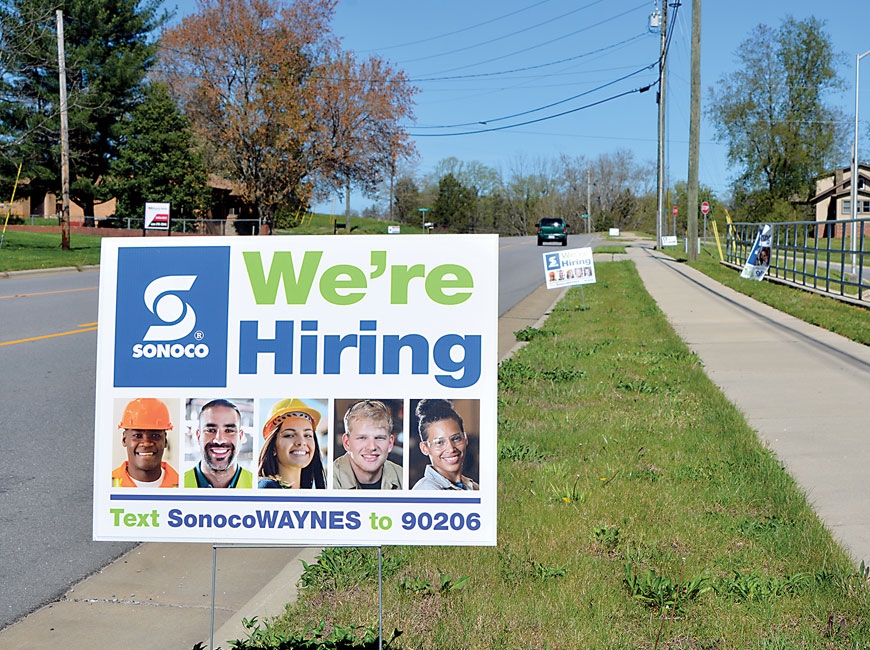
(423,212)
(705,209)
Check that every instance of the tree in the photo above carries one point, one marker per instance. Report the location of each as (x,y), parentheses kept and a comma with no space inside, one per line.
(157,161)
(406,200)
(454,204)
(528,196)
(108,54)
(283,111)
(772,114)
(617,180)
(362,105)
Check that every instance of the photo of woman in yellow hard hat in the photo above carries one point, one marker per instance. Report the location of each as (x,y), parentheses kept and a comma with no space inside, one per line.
(291,455)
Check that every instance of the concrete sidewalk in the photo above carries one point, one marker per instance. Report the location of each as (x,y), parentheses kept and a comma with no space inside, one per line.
(804,389)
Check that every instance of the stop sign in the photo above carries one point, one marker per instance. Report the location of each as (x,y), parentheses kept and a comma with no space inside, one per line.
(674,211)
(705,207)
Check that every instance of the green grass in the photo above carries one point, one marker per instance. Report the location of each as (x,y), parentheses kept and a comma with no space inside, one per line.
(637,509)
(323,224)
(845,319)
(609,250)
(34,250)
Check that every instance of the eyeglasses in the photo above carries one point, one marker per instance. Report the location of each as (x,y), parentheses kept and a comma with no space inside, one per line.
(441,443)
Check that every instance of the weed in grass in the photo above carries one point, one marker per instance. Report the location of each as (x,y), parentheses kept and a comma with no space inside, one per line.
(339,568)
(606,537)
(661,593)
(516,451)
(755,587)
(416,586)
(636,386)
(528,333)
(513,374)
(423,587)
(569,494)
(313,637)
(516,569)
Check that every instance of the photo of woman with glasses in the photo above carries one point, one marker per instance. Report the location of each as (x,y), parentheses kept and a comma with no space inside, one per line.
(444,441)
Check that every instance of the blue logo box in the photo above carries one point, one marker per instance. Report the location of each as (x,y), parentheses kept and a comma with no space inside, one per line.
(171,313)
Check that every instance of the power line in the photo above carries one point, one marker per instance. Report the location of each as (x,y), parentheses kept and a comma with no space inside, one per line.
(539,45)
(642,89)
(504,36)
(531,67)
(458,31)
(546,106)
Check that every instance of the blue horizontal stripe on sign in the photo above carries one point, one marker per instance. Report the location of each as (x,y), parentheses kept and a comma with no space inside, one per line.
(288,499)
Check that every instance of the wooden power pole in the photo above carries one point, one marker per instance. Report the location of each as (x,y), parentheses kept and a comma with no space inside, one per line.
(661,215)
(64,137)
(694,135)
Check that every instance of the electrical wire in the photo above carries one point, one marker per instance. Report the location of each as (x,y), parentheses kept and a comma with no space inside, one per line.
(662,57)
(642,89)
(458,31)
(481,75)
(539,45)
(546,106)
(503,36)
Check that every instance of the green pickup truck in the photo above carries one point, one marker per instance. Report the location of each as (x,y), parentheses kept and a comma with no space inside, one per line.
(552,229)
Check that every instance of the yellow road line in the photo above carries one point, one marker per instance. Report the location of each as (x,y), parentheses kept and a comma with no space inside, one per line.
(47,293)
(48,336)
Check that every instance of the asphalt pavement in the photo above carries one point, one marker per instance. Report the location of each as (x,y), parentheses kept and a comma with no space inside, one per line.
(803,389)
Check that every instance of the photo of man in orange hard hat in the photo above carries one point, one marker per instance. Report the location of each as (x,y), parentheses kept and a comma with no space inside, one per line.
(145,424)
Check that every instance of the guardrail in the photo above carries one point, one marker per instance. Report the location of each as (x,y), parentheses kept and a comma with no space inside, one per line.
(837,266)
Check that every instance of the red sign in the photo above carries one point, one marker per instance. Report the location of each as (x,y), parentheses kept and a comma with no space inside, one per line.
(705,207)
(674,211)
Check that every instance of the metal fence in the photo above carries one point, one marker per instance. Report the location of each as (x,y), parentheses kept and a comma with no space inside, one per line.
(825,257)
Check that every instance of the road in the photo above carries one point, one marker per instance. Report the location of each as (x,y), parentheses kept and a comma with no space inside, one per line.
(47,411)
(47,356)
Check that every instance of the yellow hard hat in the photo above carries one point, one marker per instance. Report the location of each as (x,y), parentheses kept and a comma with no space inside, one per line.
(285,408)
(146,413)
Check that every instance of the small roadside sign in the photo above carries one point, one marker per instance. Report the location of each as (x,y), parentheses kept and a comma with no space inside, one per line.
(674,210)
(705,207)
(156,216)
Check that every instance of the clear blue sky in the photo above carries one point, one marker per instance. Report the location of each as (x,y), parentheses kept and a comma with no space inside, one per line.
(483,60)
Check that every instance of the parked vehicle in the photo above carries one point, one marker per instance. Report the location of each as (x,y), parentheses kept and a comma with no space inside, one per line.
(552,229)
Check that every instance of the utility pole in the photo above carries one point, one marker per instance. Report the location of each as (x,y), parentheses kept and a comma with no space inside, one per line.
(694,135)
(661,216)
(588,201)
(64,137)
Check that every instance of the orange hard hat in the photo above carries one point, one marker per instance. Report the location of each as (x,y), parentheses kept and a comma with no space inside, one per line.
(146,413)
(285,408)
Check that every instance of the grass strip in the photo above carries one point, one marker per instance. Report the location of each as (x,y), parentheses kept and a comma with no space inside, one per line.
(34,250)
(845,319)
(637,509)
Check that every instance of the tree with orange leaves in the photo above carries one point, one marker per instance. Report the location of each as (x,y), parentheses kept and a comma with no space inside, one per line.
(278,106)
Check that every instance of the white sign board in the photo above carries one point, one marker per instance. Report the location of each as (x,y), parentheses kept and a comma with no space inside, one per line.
(233,362)
(156,216)
(669,240)
(613,232)
(394,230)
(569,268)
(758,262)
